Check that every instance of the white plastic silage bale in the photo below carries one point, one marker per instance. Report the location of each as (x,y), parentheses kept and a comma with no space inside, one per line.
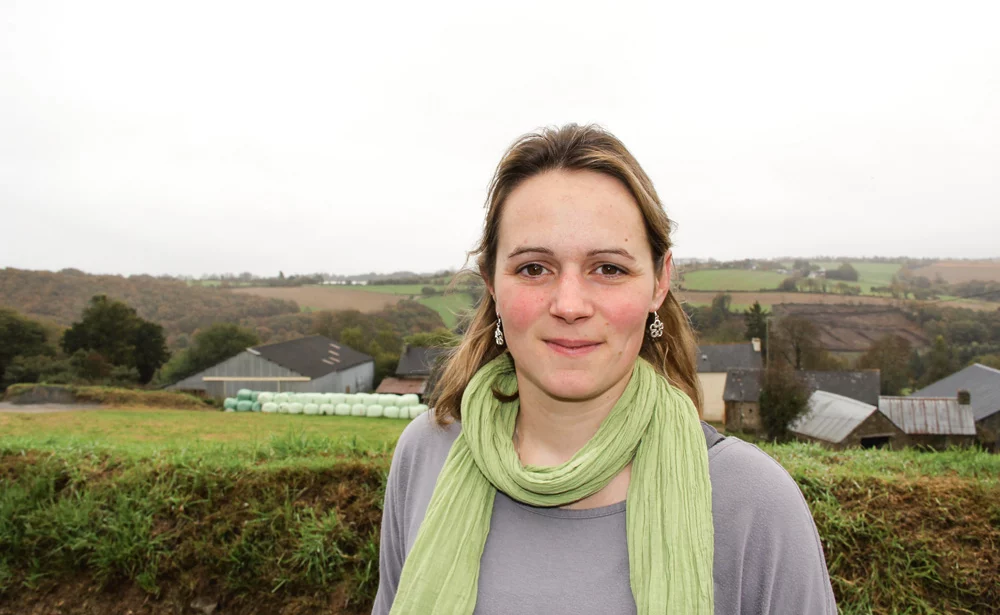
(327,398)
(410,399)
(392,412)
(388,400)
(337,398)
(283,407)
(310,409)
(295,408)
(358,410)
(417,410)
(265,397)
(374,411)
(366,398)
(351,398)
(342,410)
(326,409)
(269,407)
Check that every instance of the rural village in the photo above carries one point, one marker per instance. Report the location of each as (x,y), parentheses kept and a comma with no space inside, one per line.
(812,359)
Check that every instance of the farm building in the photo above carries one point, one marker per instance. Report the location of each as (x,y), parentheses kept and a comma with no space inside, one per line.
(413,372)
(983,385)
(839,422)
(742,392)
(314,364)
(931,422)
(714,362)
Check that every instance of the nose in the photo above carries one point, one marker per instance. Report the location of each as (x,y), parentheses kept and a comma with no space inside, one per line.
(570,299)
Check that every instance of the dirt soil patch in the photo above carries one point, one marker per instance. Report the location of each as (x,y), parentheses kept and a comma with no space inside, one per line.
(962,271)
(45,408)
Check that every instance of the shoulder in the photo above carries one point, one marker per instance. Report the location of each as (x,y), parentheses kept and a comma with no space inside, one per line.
(740,467)
(420,454)
(764,535)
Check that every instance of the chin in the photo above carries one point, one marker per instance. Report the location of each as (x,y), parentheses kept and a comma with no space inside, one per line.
(574,387)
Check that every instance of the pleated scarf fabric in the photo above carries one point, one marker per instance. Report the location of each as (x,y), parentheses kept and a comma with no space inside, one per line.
(669,500)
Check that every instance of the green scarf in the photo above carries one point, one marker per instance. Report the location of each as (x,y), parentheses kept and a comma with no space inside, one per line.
(669,512)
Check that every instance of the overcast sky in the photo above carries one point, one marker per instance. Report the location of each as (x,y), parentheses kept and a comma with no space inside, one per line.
(201,137)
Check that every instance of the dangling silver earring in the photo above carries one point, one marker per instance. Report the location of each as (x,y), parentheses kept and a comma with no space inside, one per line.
(656,327)
(498,334)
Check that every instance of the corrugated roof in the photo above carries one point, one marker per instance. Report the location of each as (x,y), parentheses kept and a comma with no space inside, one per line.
(982,383)
(402,386)
(314,356)
(929,415)
(744,384)
(418,361)
(831,417)
(715,358)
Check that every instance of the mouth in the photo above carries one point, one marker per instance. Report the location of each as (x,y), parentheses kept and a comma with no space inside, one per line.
(572,348)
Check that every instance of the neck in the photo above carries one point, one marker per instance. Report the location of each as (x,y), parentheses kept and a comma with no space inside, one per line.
(550,431)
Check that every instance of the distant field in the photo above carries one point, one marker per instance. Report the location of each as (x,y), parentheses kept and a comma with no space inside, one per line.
(741,300)
(962,271)
(448,306)
(732,279)
(326,297)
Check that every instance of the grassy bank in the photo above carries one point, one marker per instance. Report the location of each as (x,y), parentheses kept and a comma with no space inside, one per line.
(267,514)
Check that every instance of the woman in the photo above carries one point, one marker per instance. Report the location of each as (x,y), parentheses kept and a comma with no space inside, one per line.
(564,468)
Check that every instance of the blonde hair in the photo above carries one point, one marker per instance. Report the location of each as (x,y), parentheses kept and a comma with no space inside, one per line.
(574,148)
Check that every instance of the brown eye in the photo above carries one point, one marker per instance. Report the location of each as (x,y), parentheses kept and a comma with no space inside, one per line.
(534,269)
(611,270)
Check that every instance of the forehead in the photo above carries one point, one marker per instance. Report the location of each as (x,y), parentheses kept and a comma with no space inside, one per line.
(572,211)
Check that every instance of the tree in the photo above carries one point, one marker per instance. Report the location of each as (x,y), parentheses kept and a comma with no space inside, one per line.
(720,308)
(209,347)
(940,361)
(20,336)
(783,398)
(439,338)
(114,331)
(755,318)
(891,356)
(789,285)
(107,327)
(795,341)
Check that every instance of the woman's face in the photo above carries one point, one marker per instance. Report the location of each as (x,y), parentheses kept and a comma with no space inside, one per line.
(574,283)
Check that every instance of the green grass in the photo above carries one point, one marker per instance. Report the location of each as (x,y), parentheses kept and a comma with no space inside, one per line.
(140,431)
(448,306)
(732,279)
(282,513)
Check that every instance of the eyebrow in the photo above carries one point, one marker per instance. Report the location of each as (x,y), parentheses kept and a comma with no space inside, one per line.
(539,250)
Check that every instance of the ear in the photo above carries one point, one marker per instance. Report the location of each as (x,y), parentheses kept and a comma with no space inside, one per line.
(663,282)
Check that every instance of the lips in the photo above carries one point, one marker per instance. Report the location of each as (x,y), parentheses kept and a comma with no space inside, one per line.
(572,348)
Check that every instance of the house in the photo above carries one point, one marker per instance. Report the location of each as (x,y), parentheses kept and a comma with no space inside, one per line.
(931,422)
(413,372)
(314,364)
(714,363)
(838,422)
(983,385)
(742,392)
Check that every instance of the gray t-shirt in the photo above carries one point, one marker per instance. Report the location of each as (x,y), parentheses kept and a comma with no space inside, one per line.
(768,557)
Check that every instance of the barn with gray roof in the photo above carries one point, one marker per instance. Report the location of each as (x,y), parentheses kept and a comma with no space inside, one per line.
(314,364)
(742,392)
(983,384)
(839,422)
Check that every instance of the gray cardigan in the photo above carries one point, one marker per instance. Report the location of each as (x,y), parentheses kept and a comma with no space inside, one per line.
(768,557)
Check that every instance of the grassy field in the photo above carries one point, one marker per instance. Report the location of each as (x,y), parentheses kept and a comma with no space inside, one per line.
(448,306)
(732,279)
(145,510)
(869,274)
(401,289)
(138,430)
